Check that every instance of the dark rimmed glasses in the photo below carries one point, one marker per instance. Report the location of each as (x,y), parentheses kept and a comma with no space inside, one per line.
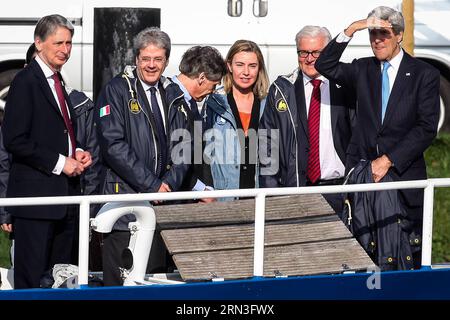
(304,53)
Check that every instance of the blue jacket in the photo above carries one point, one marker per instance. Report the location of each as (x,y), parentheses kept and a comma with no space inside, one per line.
(378,220)
(128,140)
(83,108)
(286,123)
(224,151)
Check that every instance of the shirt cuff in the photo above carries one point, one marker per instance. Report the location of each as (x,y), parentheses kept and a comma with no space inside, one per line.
(342,37)
(59,165)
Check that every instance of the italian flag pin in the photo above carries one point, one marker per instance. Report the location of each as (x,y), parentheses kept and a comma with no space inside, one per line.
(104,111)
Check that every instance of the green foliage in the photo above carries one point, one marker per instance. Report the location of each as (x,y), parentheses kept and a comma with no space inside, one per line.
(5,245)
(438,166)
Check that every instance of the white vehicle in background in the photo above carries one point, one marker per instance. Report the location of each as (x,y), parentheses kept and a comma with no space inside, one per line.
(270,23)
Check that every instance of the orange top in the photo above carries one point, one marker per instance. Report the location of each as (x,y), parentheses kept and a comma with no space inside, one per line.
(245,120)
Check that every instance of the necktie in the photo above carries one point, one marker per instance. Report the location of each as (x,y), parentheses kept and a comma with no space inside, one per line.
(160,131)
(194,109)
(63,108)
(313,126)
(385,89)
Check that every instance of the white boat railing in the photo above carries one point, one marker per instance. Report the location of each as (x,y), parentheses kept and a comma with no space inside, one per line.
(260,196)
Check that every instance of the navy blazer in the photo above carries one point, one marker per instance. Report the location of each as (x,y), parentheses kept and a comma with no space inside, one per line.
(34,134)
(412,114)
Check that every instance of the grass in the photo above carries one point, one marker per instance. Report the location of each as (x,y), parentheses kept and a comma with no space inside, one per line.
(438,165)
(5,245)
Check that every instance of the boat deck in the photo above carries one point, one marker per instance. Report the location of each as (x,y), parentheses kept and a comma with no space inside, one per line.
(303,236)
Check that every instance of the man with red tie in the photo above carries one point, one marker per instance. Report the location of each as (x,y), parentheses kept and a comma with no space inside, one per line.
(313,120)
(46,158)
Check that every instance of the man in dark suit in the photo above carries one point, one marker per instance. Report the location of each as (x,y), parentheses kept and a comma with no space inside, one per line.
(398,105)
(40,137)
(313,116)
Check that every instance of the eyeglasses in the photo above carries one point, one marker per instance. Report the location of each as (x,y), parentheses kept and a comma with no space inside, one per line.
(304,53)
(157,60)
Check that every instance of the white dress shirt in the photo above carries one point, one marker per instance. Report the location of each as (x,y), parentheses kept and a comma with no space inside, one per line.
(331,166)
(48,73)
(393,69)
(158,97)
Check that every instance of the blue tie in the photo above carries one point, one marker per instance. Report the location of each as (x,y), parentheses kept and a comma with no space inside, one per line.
(160,131)
(385,90)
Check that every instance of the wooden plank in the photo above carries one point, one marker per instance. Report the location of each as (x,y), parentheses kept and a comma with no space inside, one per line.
(326,257)
(240,211)
(242,236)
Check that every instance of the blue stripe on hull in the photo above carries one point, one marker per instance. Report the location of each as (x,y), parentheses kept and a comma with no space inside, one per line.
(425,284)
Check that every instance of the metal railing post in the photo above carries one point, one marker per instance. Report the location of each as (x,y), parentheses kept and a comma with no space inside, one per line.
(427,228)
(260,217)
(83,249)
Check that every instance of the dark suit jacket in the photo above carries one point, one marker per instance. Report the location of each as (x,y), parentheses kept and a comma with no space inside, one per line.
(411,118)
(342,112)
(35,134)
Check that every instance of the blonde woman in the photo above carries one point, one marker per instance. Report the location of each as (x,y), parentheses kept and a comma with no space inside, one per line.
(232,118)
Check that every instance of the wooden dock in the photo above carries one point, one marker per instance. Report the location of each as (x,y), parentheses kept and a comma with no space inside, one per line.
(303,236)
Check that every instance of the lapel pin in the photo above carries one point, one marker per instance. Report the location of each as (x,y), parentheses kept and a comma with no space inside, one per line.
(407,74)
(338,86)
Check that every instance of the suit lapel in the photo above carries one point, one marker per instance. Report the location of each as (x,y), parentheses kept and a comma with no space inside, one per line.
(301,104)
(43,83)
(335,99)
(374,79)
(402,81)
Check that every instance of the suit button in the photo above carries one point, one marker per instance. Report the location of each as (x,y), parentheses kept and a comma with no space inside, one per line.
(65,130)
(168,167)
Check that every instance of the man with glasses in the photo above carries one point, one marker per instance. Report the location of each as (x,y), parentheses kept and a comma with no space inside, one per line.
(314,120)
(398,108)
(137,113)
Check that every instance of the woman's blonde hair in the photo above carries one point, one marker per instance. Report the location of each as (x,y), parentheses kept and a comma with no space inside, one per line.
(261,85)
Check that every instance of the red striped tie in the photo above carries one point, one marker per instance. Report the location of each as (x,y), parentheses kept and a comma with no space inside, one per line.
(314,132)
